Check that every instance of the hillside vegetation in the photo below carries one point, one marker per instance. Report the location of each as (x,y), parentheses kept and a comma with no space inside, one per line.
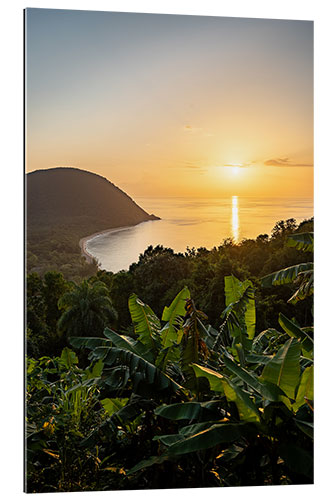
(65,205)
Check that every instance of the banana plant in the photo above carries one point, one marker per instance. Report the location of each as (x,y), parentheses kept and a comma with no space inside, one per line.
(300,274)
(247,393)
(155,353)
(139,364)
(239,317)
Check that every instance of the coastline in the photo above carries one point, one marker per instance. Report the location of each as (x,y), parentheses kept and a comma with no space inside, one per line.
(83,241)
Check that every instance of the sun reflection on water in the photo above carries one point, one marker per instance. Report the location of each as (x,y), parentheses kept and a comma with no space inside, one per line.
(234,218)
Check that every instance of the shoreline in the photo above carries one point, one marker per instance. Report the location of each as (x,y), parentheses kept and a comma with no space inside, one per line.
(83,241)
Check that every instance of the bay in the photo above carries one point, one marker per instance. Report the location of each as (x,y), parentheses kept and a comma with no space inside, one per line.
(198,222)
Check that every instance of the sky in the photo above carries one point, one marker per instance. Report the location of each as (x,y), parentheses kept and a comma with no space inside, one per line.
(170,105)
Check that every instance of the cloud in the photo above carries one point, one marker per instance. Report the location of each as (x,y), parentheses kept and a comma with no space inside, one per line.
(240,165)
(234,165)
(191,130)
(191,164)
(285,162)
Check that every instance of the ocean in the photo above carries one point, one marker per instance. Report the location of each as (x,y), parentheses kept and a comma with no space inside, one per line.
(198,222)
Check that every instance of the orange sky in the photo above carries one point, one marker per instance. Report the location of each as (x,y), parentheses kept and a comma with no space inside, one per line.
(163,105)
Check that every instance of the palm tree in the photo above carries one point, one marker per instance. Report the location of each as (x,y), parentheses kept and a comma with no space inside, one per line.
(87,310)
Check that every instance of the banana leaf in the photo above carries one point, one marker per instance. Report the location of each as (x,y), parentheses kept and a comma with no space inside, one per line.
(89,342)
(284,276)
(138,367)
(283,369)
(301,241)
(146,324)
(295,331)
(189,410)
(247,410)
(306,427)
(128,343)
(267,391)
(220,383)
(68,357)
(305,282)
(112,405)
(207,438)
(214,378)
(236,290)
(305,389)
(171,314)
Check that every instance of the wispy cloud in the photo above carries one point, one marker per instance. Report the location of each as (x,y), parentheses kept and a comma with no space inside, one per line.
(196,165)
(191,130)
(241,165)
(285,162)
(192,164)
(234,165)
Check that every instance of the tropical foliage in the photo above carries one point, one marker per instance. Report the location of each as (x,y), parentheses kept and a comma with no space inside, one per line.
(86,308)
(301,274)
(171,397)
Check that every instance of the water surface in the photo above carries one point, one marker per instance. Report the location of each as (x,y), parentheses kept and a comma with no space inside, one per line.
(187,222)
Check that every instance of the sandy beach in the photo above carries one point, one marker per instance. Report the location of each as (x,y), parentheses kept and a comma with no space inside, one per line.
(83,241)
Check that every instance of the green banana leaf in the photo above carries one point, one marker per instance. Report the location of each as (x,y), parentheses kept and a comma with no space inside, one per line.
(171,314)
(112,405)
(68,357)
(295,331)
(189,410)
(220,383)
(284,276)
(146,324)
(306,427)
(188,430)
(208,438)
(246,408)
(128,343)
(305,281)
(215,379)
(267,391)
(283,369)
(234,291)
(139,368)
(261,359)
(305,388)
(95,371)
(179,411)
(301,241)
(89,342)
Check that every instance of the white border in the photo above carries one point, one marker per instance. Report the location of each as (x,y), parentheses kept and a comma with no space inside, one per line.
(12,228)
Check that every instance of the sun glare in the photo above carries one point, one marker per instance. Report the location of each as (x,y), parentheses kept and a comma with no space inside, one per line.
(234,169)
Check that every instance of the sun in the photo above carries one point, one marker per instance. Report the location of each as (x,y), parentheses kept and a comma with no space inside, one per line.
(234,169)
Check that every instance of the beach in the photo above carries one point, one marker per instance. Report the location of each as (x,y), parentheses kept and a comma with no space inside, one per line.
(83,241)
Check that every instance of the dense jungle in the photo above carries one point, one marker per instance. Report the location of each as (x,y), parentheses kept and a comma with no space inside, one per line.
(187,370)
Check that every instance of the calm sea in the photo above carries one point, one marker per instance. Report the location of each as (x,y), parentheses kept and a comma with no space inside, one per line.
(195,223)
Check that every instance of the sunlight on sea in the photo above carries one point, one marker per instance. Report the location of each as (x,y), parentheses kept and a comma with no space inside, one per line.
(195,223)
(235,219)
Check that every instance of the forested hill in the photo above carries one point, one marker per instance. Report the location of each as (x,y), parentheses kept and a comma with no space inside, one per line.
(60,195)
(66,204)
